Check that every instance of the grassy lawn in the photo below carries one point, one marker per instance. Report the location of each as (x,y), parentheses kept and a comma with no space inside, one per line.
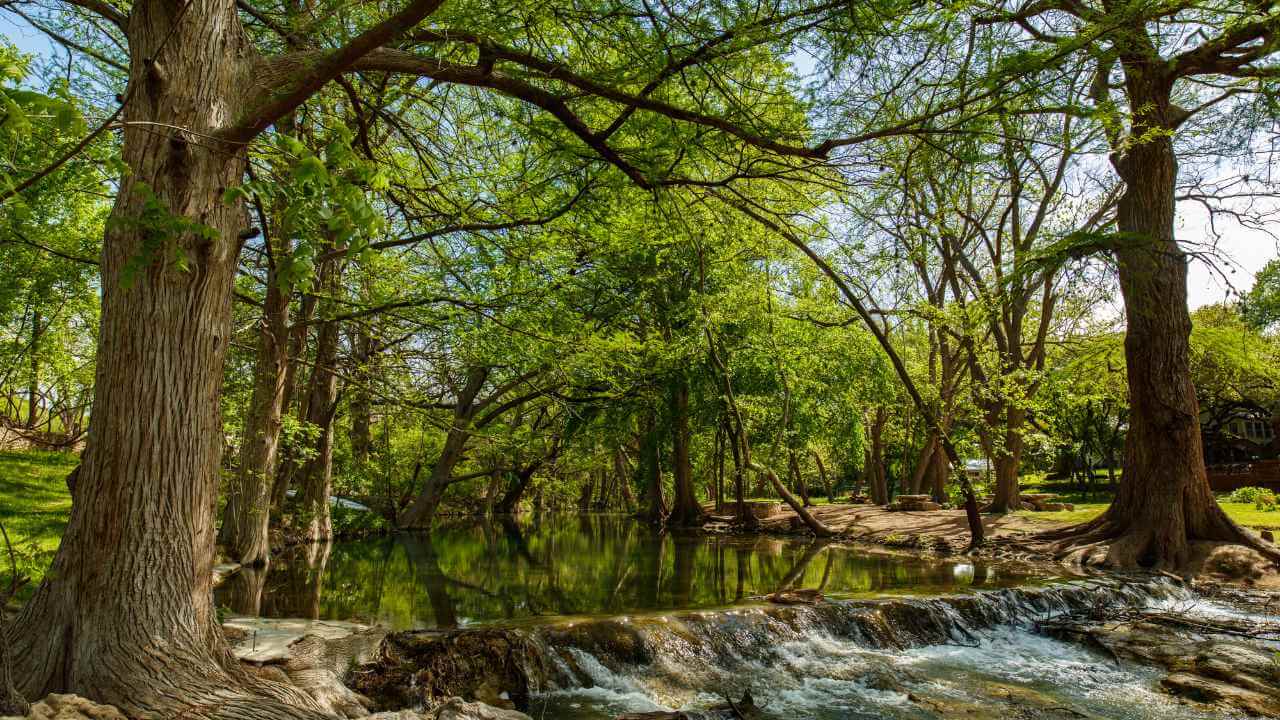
(1243,513)
(34,506)
(1090,506)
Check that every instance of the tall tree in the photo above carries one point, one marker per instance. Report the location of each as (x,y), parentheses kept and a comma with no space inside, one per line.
(1150,60)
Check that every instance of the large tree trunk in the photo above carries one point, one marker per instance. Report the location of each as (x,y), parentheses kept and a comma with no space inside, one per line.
(246,517)
(1164,499)
(685,510)
(125,616)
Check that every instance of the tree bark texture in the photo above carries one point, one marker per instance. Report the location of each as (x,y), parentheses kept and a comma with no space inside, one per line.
(125,615)
(1164,500)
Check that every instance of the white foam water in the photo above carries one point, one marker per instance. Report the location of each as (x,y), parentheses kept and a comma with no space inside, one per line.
(836,665)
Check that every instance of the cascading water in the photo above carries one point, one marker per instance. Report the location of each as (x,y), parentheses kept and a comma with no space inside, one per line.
(953,656)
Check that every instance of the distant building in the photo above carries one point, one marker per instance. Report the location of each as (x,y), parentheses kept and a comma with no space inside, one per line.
(1241,432)
(1240,447)
(977,468)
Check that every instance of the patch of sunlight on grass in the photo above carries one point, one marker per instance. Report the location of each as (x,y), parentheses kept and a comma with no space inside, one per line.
(34,507)
(1249,516)
(1083,513)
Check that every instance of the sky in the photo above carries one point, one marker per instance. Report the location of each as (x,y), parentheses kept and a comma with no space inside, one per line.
(1241,251)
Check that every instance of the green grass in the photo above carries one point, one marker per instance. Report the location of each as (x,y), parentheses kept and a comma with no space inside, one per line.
(34,507)
(1243,513)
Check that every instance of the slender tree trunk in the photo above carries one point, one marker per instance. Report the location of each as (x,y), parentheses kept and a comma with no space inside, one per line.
(311,517)
(797,478)
(421,514)
(827,485)
(125,615)
(719,468)
(287,466)
(685,510)
(879,484)
(361,406)
(246,517)
(33,386)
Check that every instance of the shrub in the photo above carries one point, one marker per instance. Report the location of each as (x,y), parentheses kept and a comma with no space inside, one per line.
(1261,498)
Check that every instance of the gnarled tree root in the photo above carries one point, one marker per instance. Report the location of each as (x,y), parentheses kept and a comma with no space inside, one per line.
(1121,545)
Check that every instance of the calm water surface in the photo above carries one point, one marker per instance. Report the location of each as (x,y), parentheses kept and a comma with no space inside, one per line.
(568,565)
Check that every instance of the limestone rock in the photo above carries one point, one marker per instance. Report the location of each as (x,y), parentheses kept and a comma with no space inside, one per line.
(1206,690)
(456,709)
(72,707)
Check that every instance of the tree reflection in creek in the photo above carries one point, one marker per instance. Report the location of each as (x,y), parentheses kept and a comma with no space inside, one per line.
(506,570)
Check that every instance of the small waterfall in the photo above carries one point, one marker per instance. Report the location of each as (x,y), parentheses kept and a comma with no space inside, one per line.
(691,646)
(847,659)
(964,655)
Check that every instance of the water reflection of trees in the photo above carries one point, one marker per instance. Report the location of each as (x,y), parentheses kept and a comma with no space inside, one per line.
(590,564)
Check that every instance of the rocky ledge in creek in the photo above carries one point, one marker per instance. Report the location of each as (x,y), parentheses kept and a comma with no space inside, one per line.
(1229,661)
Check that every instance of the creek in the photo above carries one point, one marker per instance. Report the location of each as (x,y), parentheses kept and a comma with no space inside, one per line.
(608,617)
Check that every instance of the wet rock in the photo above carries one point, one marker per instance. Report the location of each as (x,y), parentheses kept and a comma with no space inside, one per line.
(1214,692)
(802,596)
(424,668)
(1001,700)
(313,656)
(72,707)
(454,709)
(660,715)
(1204,668)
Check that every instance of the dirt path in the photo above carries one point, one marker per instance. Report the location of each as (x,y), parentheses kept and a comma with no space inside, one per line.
(873,523)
